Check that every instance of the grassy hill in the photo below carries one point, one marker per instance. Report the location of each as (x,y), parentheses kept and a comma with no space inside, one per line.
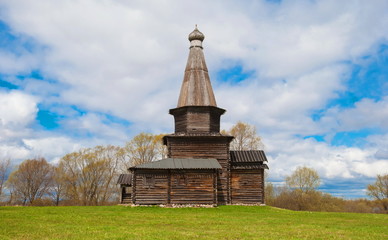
(225,222)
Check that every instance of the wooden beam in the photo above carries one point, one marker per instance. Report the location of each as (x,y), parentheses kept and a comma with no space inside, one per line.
(215,198)
(262,187)
(169,187)
(134,187)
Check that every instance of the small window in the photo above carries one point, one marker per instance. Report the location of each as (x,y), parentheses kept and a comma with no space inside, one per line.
(149,181)
(181,180)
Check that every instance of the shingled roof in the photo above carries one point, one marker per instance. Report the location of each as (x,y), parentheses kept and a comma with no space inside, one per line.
(251,159)
(248,156)
(125,179)
(181,163)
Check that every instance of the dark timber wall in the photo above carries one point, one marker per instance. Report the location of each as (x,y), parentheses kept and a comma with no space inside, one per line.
(150,187)
(197,119)
(247,186)
(193,188)
(174,187)
(204,147)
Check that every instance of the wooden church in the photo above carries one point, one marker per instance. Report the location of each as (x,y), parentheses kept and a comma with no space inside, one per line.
(200,168)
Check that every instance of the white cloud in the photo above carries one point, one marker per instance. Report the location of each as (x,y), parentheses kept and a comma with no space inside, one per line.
(94,125)
(286,106)
(366,113)
(330,162)
(17,109)
(13,152)
(382,154)
(51,147)
(302,36)
(124,51)
(11,63)
(18,139)
(371,169)
(17,112)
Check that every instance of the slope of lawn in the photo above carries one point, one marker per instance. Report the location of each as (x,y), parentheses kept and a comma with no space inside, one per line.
(225,222)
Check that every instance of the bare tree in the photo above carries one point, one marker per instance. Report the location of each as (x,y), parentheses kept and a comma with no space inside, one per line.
(269,193)
(31,180)
(58,185)
(81,172)
(113,157)
(304,178)
(245,137)
(379,190)
(161,149)
(89,174)
(5,165)
(145,147)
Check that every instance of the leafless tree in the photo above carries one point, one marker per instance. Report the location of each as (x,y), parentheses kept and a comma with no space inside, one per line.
(245,137)
(90,174)
(379,190)
(161,149)
(269,193)
(303,178)
(145,147)
(57,188)
(5,165)
(31,180)
(113,157)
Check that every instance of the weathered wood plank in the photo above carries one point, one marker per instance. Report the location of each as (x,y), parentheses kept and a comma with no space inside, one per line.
(246,186)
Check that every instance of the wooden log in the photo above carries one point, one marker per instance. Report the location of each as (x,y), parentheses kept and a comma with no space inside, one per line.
(247,186)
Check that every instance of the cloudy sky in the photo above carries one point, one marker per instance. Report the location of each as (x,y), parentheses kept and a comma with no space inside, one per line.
(312,76)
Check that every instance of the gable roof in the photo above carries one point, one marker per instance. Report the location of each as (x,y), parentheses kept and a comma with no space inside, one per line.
(181,163)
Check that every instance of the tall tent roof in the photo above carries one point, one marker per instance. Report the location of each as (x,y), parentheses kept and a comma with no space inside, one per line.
(196,88)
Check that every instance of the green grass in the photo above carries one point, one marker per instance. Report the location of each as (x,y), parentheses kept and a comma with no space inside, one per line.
(225,222)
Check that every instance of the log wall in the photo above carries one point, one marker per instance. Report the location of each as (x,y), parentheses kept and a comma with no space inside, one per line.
(197,119)
(192,188)
(198,122)
(205,147)
(151,187)
(247,186)
(154,187)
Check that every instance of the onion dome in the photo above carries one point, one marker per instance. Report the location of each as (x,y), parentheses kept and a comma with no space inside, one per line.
(196,35)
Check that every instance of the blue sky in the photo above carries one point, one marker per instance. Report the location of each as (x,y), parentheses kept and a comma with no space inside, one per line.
(312,77)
